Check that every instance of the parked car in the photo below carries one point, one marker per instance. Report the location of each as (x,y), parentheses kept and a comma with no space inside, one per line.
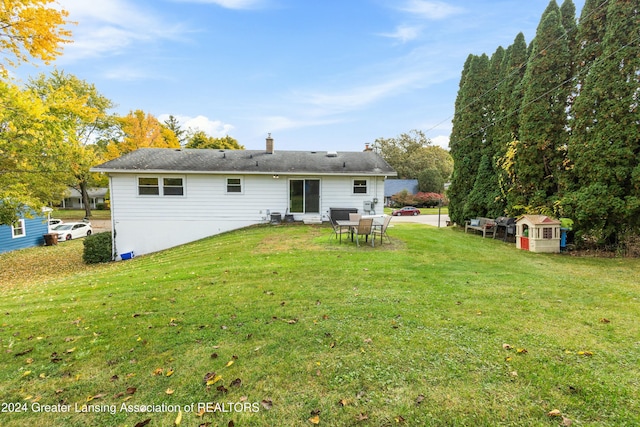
(407,210)
(54,221)
(72,230)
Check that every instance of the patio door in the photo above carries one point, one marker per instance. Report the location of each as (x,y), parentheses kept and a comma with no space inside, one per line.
(304,196)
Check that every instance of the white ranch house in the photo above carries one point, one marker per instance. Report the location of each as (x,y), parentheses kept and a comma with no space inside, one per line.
(162,198)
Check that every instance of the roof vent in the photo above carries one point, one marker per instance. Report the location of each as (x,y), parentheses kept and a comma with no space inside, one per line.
(332,154)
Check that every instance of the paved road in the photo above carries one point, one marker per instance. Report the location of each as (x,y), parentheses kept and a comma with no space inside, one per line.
(422,219)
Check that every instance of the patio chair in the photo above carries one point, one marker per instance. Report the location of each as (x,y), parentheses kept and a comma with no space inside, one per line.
(337,230)
(382,231)
(354,216)
(364,227)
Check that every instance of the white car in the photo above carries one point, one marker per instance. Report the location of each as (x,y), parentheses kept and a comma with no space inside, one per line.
(54,221)
(72,230)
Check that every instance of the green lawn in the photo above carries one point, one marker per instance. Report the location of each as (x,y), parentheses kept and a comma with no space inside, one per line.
(281,326)
(78,214)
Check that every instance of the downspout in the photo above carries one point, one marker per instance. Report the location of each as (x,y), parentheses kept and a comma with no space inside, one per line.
(113,221)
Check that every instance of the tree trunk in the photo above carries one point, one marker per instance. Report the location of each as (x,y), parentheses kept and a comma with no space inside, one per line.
(85,199)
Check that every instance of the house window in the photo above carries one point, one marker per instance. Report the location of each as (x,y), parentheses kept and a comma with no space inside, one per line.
(148,187)
(156,186)
(18,229)
(547,233)
(359,186)
(234,185)
(172,187)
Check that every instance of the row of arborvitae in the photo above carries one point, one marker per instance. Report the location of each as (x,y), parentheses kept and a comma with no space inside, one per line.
(97,248)
(554,127)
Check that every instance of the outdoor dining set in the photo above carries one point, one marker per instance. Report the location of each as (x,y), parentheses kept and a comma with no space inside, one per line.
(358,226)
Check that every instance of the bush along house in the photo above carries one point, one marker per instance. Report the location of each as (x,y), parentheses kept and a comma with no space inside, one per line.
(163,197)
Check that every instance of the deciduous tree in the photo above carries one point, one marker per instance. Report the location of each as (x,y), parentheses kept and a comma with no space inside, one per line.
(200,139)
(140,130)
(83,116)
(31,29)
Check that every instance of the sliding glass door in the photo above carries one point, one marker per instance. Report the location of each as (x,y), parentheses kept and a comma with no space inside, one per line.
(304,196)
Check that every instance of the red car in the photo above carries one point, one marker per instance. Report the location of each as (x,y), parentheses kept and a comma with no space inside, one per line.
(407,210)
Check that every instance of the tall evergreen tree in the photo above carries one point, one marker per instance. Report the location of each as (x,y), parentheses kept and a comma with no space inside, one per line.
(605,144)
(469,132)
(510,94)
(543,137)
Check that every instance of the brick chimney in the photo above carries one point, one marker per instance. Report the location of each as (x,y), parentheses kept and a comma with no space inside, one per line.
(269,144)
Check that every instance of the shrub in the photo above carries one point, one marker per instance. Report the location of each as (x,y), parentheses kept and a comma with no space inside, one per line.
(428,200)
(97,248)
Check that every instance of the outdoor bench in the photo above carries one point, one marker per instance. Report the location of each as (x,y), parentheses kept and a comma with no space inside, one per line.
(485,225)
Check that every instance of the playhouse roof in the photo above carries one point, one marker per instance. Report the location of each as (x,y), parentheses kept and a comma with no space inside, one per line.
(539,220)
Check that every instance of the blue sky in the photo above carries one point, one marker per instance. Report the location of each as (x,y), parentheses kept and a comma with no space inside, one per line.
(316,74)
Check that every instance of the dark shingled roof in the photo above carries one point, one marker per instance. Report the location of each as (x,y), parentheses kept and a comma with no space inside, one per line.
(159,160)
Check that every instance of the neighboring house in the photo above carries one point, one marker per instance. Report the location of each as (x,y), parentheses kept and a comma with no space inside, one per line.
(24,233)
(162,198)
(73,198)
(394,186)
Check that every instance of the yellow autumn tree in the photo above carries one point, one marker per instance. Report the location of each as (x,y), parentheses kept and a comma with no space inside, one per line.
(140,130)
(31,29)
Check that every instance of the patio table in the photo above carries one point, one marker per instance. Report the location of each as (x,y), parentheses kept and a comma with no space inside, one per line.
(348,224)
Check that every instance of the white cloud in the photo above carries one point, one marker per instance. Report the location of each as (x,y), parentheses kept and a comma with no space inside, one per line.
(361,96)
(432,10)
(441,141)
(110,27)
(214,128)
(404,33)
(231,4)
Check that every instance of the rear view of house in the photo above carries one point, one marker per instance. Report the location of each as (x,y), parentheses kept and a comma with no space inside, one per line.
(162,198)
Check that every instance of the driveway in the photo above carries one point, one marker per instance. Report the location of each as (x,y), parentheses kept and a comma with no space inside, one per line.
(422,219)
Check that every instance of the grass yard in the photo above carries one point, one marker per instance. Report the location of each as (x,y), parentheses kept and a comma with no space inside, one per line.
(280,326)
(78,214)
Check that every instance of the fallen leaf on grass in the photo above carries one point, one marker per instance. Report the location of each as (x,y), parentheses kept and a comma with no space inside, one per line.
(97,396)
(214,380)
(143,423)
(131,390)
(362,417)
(26,373)
(522,351)
(169,391)
(343,402)
(400,419)
(419,399)
(605,320)
(169,372)
(222,389)
(229,363)
(266,404)
(22,353)
(315,419)
(554,413)
(158,371)
(585,353)
(506,346)
(236,383)
(178,418)
(566,422)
